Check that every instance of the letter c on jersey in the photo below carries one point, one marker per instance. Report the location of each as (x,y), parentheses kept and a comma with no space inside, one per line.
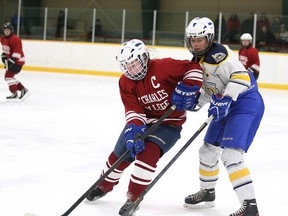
(153,78)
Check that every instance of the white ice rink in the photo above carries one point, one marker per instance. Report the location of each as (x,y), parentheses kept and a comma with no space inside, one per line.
(54,145)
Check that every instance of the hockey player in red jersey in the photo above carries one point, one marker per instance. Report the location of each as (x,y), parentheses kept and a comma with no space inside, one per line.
(248,55)
(13,58)
(147,89)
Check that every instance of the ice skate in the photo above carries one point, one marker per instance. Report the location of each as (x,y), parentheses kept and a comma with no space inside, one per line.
(248,208)
(95,194)
(13,97)
(202,199)
(126,206)
(24,94)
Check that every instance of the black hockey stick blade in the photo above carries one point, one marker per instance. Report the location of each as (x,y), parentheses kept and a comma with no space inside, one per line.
(120,160)
(135,204)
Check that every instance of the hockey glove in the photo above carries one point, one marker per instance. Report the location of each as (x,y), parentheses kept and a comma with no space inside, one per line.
(185,97)
(11,63)
(3,57)
(132,139)
(219,107)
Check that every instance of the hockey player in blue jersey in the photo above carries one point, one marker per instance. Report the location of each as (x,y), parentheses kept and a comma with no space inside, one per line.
(237,107)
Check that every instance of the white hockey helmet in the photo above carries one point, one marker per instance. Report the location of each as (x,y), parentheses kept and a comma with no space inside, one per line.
(198,28)
(246,36)
(133,58)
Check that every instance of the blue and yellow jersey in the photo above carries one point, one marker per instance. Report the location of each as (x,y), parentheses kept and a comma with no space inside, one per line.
(223,74)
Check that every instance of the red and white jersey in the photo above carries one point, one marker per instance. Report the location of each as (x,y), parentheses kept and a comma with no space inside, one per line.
(146,100)
(12,47)
(249,58)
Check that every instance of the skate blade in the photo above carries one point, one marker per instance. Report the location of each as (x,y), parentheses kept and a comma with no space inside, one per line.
(132,214)
(90,201)
(133,211)
(25,96)
(14,100)
(200,205)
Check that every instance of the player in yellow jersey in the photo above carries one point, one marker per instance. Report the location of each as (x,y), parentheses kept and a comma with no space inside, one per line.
(237,107)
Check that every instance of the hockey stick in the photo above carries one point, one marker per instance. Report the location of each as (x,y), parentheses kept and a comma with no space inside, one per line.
(121,159)
(136,203)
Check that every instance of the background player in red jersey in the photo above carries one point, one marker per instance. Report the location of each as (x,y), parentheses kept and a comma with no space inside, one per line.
(13,58)
(248,55)
(148,87)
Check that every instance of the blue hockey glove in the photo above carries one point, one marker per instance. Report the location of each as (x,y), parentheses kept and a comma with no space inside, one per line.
(185,97)
(219,107)
(132,139)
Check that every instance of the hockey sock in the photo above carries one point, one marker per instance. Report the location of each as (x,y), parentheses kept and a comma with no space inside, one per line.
(144,168)
(113,178)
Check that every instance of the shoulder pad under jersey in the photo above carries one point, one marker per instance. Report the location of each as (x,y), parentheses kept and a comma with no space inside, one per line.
(216,54)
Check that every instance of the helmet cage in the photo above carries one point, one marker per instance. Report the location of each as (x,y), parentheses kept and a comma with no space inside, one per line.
(133,58)
(136,69)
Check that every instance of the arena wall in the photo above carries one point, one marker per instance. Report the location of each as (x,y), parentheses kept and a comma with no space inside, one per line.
(100,59)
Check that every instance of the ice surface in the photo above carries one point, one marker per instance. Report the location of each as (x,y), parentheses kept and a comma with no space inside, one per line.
(54,145)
